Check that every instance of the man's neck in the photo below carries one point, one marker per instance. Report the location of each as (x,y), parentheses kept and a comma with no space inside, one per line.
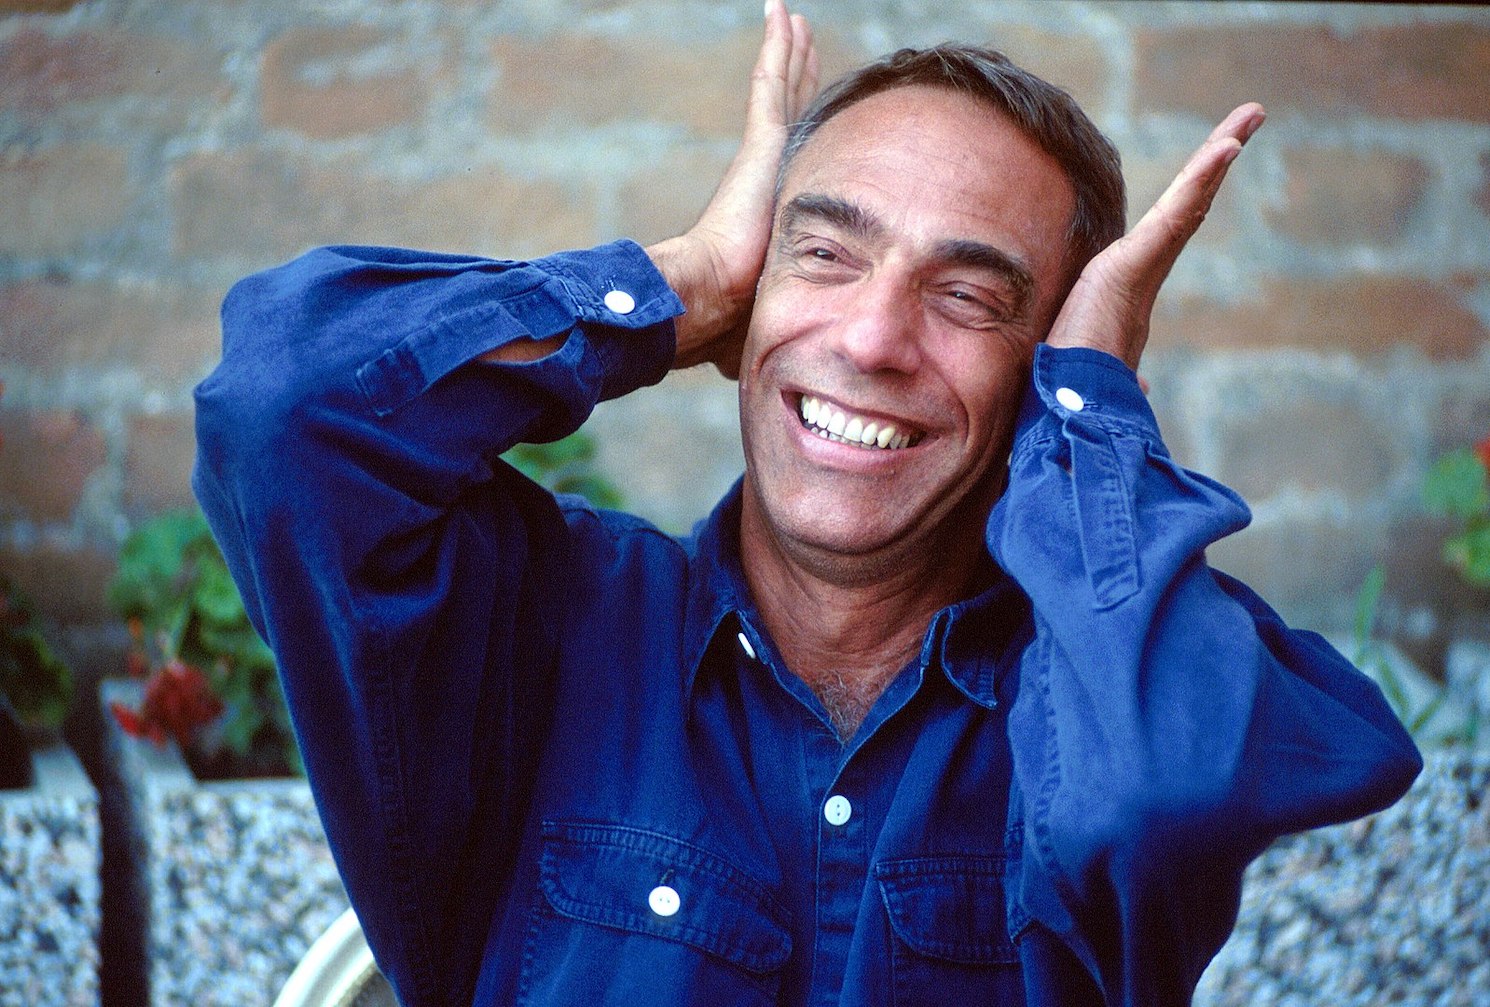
(847,625)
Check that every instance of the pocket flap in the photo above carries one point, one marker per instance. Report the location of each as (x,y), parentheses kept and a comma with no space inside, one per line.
(607,874)
(948,907)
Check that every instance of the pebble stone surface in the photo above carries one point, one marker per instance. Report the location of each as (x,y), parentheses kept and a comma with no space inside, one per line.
(1391,909)
(235,878)
(49,886)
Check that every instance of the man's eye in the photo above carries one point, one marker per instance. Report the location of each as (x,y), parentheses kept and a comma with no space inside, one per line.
(970,308)
(823,254)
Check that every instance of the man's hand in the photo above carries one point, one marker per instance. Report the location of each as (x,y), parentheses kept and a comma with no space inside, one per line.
(714,267)
(1109,307)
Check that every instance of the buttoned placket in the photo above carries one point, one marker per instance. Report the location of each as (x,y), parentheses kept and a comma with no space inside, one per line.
(844,825)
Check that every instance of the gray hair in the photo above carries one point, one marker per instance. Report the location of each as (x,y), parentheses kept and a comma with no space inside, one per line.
(1047,114)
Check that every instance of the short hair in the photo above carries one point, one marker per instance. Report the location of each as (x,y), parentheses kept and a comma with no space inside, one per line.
(1045,113)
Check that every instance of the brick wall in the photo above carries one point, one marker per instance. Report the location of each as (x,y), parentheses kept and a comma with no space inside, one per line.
(1322,340)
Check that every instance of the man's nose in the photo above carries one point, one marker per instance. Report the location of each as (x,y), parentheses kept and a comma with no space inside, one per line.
(880,329)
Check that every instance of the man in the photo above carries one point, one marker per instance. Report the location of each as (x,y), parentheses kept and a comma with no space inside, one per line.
(941,705)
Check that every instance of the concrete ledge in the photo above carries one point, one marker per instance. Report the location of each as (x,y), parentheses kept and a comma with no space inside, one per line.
(49,886)
(233,880)
(1391,909)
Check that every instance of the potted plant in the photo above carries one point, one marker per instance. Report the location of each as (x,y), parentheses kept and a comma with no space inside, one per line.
(49,829)
(232,879)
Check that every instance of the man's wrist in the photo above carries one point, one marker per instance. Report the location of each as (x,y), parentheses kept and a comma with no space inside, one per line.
(710,312)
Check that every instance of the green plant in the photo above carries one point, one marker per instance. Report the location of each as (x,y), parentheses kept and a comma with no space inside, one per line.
(566,466)
(1370,656)
(1458,487)
(210,681)
(37,682)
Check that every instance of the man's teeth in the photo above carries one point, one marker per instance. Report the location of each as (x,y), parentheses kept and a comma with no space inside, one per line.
(834,424)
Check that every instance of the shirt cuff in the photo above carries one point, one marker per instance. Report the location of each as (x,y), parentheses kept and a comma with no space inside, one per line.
(1083,386)
(627,309)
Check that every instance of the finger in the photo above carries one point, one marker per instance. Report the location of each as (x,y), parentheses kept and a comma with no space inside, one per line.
(768,80)
(1159,236)
(807,87)
(801,48)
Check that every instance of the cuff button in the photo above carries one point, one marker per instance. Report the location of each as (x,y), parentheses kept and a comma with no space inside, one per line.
(620,302)
(1070,399)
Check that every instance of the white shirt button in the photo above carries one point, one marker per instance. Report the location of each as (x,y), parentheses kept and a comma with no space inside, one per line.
(1070,399)
(620,302)
(745,646)
(663,900)
(837,810)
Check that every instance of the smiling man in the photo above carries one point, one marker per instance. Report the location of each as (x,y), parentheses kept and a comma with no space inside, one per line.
(941,705)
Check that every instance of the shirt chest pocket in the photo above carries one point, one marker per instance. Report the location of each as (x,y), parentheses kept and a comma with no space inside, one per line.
(629,916)
(949,931)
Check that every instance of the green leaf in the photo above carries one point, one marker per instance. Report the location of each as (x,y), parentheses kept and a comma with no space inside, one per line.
(240,726)
(1456,486)
(592,487)
(38,683)
(1367,600)
(216,596)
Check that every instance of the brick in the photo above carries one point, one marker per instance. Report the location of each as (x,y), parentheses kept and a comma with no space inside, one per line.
(41,74)
(667,200)
(336,82)
(157,463)
(36,6)
(52,327)
(1306,444)
(69,585)
(585,80)
(1406,71)
(488,213)
(1375,208)
(1360,315)
(1074,62)
(46,460)
(257,209)
(54,200)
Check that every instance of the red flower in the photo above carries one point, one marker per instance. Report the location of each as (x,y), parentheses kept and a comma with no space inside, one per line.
(1482,449)
(134,725)
(178,702)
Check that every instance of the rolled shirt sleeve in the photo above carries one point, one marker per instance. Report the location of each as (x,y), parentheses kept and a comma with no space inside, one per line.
(348,463)
(1168,725)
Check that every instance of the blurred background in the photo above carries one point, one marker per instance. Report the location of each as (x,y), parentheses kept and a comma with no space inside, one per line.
(1322,343)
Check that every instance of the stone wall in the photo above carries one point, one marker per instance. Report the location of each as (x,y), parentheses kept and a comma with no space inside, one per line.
(1322,340)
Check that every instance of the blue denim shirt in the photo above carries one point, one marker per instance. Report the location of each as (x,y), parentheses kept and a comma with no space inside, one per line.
(560,761)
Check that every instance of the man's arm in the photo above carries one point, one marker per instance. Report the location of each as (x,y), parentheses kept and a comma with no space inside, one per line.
(348,462)
(1168,725)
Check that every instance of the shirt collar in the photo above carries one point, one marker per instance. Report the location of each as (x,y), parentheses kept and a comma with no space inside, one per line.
(973,641)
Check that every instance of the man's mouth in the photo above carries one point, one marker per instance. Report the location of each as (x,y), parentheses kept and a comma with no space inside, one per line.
(833,423)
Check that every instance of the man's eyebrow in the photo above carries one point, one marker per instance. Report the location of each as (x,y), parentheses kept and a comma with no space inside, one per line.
(843,213)
(978,255)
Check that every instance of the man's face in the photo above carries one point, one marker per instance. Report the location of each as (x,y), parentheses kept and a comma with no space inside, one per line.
(916,259)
